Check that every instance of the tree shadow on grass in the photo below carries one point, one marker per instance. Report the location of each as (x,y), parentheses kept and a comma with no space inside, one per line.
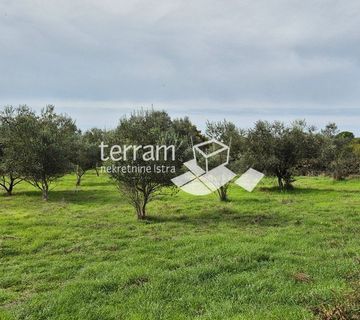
(81,197)
(224,215)
(313,191)
(90,183)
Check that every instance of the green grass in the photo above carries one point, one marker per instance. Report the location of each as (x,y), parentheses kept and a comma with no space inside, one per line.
(263,255)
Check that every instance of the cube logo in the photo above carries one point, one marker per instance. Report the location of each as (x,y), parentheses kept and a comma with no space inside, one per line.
(208,172)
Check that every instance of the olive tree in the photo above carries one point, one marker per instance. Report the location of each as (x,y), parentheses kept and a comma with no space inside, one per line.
(139,174)
(279,150)
(339,156)
(47,147)
(94,137)
(232,136)
(9,173)
(12,161)
(86,156)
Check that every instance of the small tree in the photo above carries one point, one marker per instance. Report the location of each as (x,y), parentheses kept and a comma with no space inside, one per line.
(9,176)
(279,150)
(47,148)
(87,156)
(94,137)
(144,128)
(11,161)
(189,135)
(232,136)
(339,153)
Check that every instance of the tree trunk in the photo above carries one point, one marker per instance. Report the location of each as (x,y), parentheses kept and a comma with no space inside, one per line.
(222,192)
(45,190)
(78,181)
(79,173)
(141,210)
(10,188)
(45,194)
(280,183)
(141,214)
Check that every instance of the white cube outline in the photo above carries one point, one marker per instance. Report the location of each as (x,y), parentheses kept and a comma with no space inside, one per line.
(223,148)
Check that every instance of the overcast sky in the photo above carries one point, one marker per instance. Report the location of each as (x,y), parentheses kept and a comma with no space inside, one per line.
(240,60)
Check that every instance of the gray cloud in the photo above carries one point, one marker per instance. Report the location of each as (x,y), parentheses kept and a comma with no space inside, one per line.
(250,59)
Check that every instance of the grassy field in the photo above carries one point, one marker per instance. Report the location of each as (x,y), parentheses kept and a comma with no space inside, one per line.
(263,255)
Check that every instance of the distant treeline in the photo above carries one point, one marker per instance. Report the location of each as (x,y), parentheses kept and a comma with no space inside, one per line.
(40,148)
